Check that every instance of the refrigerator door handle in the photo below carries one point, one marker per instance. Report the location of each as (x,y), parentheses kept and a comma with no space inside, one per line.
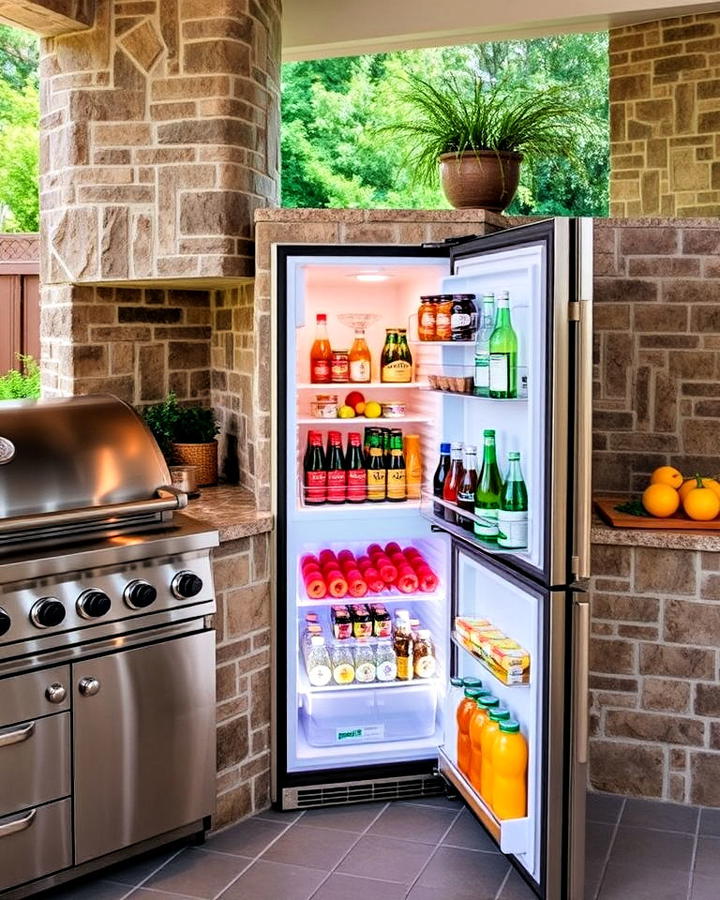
(583,404)
(581,674)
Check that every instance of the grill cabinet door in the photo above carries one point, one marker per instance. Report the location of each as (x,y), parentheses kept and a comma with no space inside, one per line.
(144,742)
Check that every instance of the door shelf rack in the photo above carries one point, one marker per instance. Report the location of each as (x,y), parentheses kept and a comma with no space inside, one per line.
(457,640)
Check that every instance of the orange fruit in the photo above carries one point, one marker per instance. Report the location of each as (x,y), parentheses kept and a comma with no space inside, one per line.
(667,475)
(691,483)
(702,503)
(660,500)
(360,407)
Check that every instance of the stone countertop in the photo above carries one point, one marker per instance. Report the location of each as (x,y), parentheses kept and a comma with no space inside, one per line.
(285,214)
(640,537)
(230,509)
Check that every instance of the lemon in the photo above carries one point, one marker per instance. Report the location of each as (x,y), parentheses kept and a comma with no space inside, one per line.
(346,412)
(373,410)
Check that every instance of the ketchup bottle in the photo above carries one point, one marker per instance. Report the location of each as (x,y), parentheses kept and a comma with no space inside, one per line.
(336,474)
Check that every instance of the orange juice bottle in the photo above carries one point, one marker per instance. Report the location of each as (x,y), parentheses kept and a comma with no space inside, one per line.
(475,729)
(466,707)
(509,763)
(413,466)
(489,733)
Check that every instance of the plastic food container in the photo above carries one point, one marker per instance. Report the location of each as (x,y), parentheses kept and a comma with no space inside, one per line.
(394,409)
(325,406)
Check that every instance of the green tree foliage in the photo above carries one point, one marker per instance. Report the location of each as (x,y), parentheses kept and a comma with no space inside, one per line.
(333,155)
(19,141)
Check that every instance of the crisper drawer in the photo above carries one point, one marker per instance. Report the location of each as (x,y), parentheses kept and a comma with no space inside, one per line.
(337,718)
(34,694)
(34,762)
(35,843)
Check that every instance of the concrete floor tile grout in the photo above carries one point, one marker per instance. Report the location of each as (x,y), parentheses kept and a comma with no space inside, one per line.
(616,827)
(434,851)
(691,880)
(154,871)
(502,884)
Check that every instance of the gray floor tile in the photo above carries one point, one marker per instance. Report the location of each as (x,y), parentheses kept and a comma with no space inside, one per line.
(453,870)
(442,802)
(468,833)
(704,887)
(707,858)
(665,816)
(598,836)
(89,889)
(348,887)
(635,882)
(516,888)
(286,817)
(419,892)
(603,807)
(655,849)
(594,870)
(354,817)
(301,846)
(249,838)
(138,870)
(148,894)
(389,859)
(266,880)
(198,873)
(710,821)
(425,824)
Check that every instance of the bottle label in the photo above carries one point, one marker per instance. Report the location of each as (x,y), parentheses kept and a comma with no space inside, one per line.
(319,675)
(387,670)
(443,326)
(489,528)
(460,321)
(512,529)
(359,370)
(336,486)
(356,485)
(425,667)
(404,668)
(365,672)
(315,487)
(339,371)
(482,373)
(376,480)
(320,371)
(426,325)
(343,673)
(499,381)
(396,484)
(466,497)
(399,371)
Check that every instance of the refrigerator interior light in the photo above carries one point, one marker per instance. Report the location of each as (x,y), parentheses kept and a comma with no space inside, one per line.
(371,276)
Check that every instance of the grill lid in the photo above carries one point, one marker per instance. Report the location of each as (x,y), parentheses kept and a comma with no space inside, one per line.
(81,460)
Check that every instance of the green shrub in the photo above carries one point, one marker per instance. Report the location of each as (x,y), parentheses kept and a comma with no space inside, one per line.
(172,423)
(22,383)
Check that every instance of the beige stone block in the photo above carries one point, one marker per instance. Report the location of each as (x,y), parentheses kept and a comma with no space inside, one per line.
(655,728)
(666,695)
(664,571)
(627,768)
(144,45)
(191,87)
(705,779)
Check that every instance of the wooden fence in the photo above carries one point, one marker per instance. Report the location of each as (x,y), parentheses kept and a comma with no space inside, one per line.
(19,298)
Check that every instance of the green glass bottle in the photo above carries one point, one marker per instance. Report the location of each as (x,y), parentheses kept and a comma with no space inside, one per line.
(488,491)
(396,476)
(513,514)
(503,353)
(485,329)
(376,471)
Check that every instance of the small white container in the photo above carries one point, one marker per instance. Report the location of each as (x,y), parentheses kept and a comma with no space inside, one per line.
(325,406)
(394,409)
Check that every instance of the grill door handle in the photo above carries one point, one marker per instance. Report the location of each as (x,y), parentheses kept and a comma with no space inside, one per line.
(89,686)
(16,825)
(16,736)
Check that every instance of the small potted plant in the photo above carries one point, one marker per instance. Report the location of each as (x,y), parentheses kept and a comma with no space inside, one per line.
(474,135)
(186,436)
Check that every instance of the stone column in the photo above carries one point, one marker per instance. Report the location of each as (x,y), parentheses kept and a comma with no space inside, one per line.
(159,140)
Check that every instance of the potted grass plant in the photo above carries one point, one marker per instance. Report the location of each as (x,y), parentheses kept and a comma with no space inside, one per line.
(472,135)
(186,436)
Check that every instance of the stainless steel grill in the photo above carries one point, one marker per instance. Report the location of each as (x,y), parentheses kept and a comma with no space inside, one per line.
(107,679)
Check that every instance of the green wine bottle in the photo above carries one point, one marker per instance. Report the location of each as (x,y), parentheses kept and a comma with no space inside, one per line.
(503,353)
(487,493)
(513,514)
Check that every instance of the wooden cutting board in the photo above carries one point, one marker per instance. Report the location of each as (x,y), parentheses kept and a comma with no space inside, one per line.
(679,522)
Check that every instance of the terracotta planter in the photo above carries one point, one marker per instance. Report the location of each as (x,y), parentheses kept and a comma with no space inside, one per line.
(204,456)
(482,180)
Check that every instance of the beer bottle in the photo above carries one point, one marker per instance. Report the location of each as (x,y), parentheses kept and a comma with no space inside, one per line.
(376,471)
(439,478)
(314,472)
(355,468)
(335,465)
(395,362)
(396,476)
(489,487)
(467,486)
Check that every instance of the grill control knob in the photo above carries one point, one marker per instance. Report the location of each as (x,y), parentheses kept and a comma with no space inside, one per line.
(92,604)
(4,622)
(47,613)
(56,692)
(186,585)
(139,594)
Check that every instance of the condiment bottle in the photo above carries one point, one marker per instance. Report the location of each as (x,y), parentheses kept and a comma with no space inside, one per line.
(314,471)
(443,467)
(320,353)
(424,655)
(336,474)
(359,359)
(443,320)
(404,647)
(467,486)
(453,480)
(509,762)
(413,466)
(463,314)
(355,469)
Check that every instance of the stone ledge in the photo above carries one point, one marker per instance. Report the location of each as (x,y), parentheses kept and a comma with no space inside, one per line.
(231,510)
(638,537)
(350,216)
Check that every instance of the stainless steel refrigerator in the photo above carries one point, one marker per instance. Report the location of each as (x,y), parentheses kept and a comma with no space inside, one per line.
(347,743)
